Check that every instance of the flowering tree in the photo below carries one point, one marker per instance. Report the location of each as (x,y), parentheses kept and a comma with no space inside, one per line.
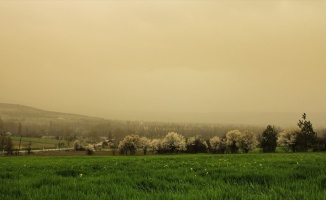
(214,144)
(144,143)
(247,141)
(233,140)
(196,145)
(90,149)
(129,143)
(77,146)
(156,145)
(218,145)
(174,142)
(288,137)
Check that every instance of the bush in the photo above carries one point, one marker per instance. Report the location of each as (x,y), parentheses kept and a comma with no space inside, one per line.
(90,149)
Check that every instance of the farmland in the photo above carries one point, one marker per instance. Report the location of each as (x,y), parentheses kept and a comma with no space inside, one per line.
(36,143)
(198,176)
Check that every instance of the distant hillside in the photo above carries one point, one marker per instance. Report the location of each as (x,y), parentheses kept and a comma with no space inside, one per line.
(29,114)
(33,115)
(37,122)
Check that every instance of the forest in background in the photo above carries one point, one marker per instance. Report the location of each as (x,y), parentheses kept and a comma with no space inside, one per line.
(19,120)
(38,123)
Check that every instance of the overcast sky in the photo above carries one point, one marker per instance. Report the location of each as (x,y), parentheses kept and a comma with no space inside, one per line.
(104,57)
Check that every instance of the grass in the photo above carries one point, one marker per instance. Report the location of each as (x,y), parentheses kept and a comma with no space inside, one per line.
(37,143)
(202,176)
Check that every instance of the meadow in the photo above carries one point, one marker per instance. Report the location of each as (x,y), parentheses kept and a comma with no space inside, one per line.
(196,176)
(37,143)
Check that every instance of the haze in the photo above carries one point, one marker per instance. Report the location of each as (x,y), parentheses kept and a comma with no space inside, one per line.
(105,58)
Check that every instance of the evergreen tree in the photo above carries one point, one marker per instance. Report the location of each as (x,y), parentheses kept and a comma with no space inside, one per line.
(307,137)
(269,140)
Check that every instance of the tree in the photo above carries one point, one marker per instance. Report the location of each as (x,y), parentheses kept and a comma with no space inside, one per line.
(68,135)
(29,147)
(2,137)
(214,144)
(174,142)
(1,127)
(129,143)
(157,145)
(90,149)
(20,134)
(2,143)
(77,146)
(110,136)
(288,138)
(9,145)
(268,140)
(144,143)
(218,145)
(307,137)
(196,145)
(233,138)
(247,141)
(323,139)
(93,135)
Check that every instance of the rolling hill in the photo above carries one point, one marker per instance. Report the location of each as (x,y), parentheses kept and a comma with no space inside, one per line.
(21,113)
(33,115)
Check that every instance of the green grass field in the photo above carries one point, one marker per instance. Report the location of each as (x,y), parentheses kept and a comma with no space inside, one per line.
(204,176)
(37,143)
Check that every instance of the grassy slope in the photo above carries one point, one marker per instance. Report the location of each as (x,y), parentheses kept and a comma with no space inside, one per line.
(245,176)
(25,114)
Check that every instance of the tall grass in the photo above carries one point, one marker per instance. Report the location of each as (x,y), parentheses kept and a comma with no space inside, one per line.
(245,176)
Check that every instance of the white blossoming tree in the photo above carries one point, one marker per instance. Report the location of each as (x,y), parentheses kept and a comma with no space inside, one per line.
(174,142)
(129,143)
(144,143)
(214,144)
(156,145)
(233,140)
(196,145)
(218,145)
(77,146)
(90,149)
(287,138)
(247,141)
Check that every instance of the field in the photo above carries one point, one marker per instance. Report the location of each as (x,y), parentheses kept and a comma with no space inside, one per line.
(241,176)
(37,143)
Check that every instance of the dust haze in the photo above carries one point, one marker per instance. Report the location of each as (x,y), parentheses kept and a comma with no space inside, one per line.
(115,59)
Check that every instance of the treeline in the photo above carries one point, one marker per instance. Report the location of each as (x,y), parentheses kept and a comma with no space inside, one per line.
(115,129)
(151,136)
(299,139)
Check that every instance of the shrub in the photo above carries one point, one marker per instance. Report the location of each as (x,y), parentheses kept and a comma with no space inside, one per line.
(90,149)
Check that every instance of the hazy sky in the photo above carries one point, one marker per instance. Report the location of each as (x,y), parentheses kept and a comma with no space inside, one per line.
(104,57)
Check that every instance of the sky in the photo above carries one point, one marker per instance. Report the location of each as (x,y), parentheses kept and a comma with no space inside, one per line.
(104,58)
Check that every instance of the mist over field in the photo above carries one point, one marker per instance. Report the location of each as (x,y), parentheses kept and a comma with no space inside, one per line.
(256,62)
(283,119)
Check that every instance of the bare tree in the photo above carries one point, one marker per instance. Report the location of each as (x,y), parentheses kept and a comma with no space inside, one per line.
(2,137)
(9,146)
(20,133)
